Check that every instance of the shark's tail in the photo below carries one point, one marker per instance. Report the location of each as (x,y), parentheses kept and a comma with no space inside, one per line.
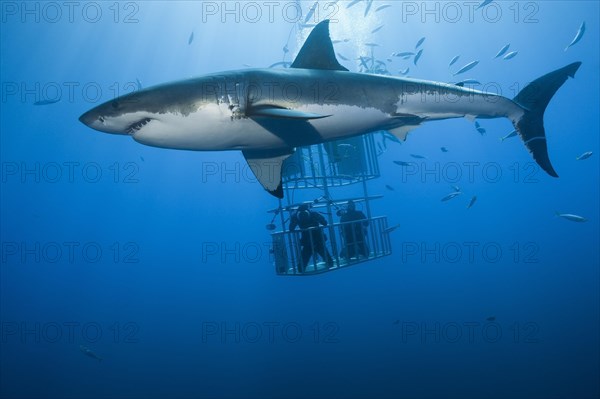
(534,99)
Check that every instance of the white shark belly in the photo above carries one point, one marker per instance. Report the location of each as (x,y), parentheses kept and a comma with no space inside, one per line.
(346,120)
(211,128)
(214,128)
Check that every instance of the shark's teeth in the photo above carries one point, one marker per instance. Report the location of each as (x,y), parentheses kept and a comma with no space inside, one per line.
(134,127)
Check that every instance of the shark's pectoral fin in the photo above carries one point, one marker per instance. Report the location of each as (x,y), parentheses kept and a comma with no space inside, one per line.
(267,167)
(284,113)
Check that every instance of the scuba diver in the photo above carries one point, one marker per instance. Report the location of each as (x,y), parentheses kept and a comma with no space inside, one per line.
(313,240)
(354,234)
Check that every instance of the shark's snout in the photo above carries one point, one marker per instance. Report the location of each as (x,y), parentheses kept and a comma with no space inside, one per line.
(95,120)
(88,118)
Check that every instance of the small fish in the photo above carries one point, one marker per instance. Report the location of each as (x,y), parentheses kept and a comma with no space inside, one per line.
(270,226)
(418,56)
(353,3)
(472,202)
(247,65)
(421,40)
(417,156)
(191,39)
(491,318)
(372,44)
(47,102)
(462,83)
(585,155)
(311,12)
(306,26)
(402,163)
(467,67)
(403,54)
(88,352)
(477,125)
(342,57)
(142,159)
(388,230)
(389,60)
(502,51)
(450,196)
(404,71)
(383,7)
(511,134)
(453,60)
(455,188)
(571,217)
(390,187)
(511,55)
(578,36)
(397,322)
(369,4)
(286,49)
(139,84)
(483,4)
(377,29)
(481,130)
(444,149)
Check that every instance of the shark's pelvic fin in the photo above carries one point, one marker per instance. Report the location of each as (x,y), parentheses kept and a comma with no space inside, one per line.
(317,52)
(409,123)
(534,99)
(267,167)
(402,132)
(278,112)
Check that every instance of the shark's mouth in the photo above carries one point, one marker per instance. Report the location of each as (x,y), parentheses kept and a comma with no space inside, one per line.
(137,126)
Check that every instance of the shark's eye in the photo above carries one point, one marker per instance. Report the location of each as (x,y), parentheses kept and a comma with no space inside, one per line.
(115,104)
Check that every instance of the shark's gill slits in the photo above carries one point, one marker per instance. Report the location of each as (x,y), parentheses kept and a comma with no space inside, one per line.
(134,127)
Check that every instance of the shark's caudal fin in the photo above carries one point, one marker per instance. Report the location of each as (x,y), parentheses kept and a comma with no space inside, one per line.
(534,99)
(317,52)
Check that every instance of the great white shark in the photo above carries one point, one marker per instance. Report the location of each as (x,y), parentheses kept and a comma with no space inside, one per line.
(267,113)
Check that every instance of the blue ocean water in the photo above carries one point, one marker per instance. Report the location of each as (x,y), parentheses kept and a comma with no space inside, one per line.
(157,261)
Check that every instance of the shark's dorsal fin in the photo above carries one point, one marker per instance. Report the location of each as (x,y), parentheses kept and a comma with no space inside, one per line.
(317,52)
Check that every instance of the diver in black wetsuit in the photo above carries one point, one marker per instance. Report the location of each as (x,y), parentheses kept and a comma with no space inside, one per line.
(313,240)
(354,234)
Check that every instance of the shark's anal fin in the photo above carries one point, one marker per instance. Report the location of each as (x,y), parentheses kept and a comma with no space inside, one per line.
(277,112)
(317,52)
(267,167)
